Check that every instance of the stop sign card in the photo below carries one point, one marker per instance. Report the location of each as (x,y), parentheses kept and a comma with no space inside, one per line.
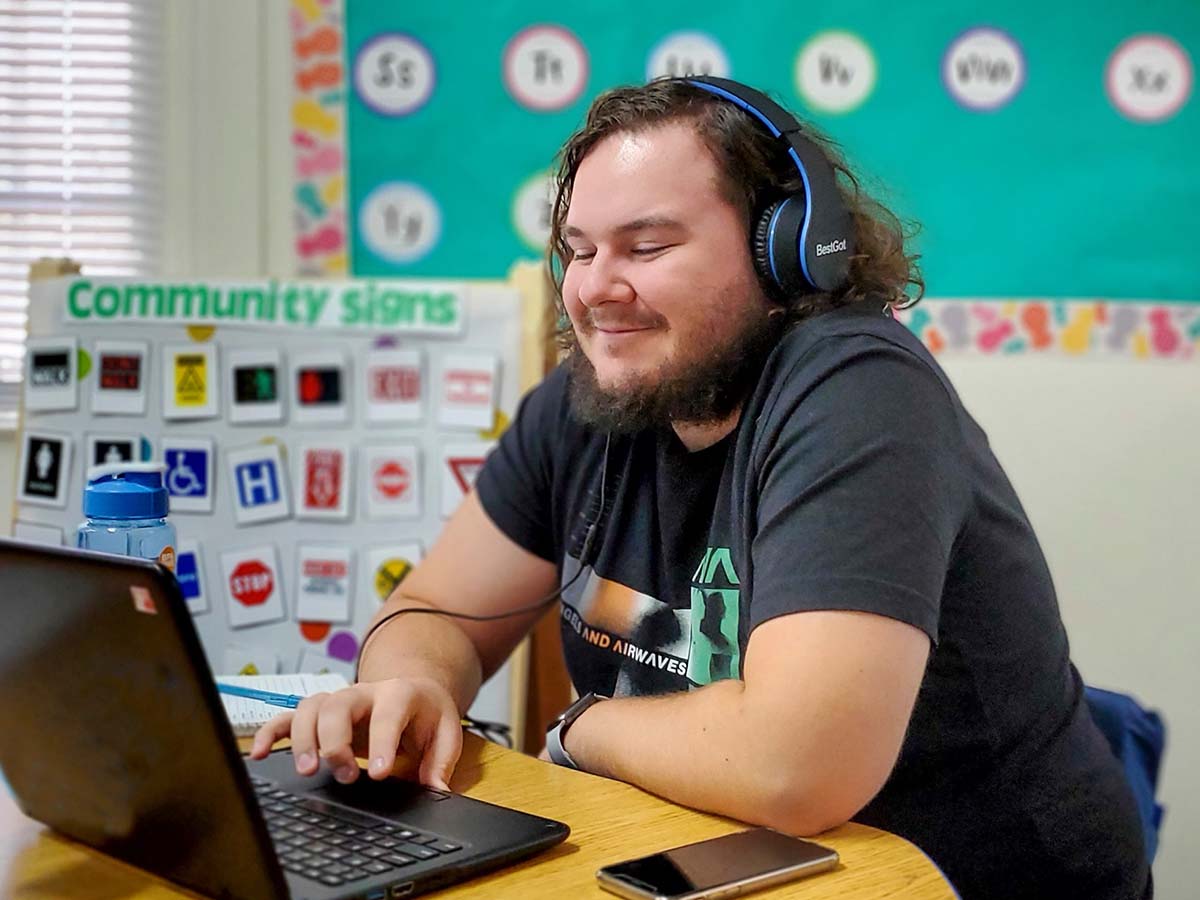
(392,483)
(252,587)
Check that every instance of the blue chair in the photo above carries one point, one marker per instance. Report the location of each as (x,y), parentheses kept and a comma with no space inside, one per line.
(1137,737)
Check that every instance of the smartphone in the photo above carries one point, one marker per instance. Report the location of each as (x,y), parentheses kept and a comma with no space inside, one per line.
(719,867)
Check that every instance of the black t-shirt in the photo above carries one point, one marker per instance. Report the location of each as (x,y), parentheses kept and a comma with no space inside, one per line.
(855,480)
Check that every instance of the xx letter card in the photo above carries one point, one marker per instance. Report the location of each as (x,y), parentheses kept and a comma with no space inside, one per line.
(320,381)
(323,481)
(189,571)
(189,381)
(259,484)
(120,369)
(467,395)
(390,565)
(392,483)
(189,475)
(460,467)
(50,369)
(43,473)
(392,387)
(323,583)
(254,386)
(253,591)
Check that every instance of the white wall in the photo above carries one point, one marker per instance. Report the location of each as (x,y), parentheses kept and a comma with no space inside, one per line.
(1102,453)
(1103,456)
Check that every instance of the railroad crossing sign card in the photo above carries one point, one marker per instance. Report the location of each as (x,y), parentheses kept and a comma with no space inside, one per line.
(320,383)
(392,386)
(387,566)
(243,659)
(323,480)
(258,484)
(50,374)
(467,393)
(189,476)
(392,482)
(189,572)
(459,468)
(253,592)
(43,473)
(253,385)
(119,380)
(189,381)
(324,582)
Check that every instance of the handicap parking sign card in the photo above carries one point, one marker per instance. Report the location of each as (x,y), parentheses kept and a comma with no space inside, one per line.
(467,392)
(189,475)
(392,386)
(253,592)
(189,572)
(320,387)
(50,374)
(189,381)
(459,469)
(258,484)
(323,480)
(387,566)
(43,473)
(253,385)
(119,372)
(392,481)
(324,582)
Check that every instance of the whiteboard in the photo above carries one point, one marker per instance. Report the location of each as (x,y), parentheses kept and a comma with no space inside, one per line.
(355,545)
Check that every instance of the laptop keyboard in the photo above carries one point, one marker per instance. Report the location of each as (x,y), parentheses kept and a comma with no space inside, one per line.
(335,845)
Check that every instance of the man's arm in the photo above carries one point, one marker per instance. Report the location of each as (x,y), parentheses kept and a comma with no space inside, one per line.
(421,671)
(801,744)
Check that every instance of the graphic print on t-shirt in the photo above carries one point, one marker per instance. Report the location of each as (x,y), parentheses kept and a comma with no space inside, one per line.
(650,640)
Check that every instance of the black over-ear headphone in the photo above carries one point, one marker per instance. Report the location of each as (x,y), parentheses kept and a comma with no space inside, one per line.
(804,241)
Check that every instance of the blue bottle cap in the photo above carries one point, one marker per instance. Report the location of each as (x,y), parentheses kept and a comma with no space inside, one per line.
(125,491)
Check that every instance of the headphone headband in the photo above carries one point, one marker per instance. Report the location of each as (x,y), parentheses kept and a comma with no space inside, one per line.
(805,241)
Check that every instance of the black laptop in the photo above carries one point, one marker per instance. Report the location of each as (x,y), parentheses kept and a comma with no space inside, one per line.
(112,732)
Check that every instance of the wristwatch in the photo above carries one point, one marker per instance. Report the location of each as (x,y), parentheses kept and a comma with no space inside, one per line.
(558,729)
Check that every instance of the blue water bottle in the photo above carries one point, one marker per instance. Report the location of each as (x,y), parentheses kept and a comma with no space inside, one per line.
(125,505)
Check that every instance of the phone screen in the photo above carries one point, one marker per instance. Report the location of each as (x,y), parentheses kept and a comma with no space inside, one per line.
(720,861)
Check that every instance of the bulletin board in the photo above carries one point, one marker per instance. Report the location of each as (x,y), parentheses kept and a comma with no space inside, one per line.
(317,434)
(1048,155)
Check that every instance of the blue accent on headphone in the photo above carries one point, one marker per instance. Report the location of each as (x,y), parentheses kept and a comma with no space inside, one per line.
(824,217)
(771,239)
(775,132)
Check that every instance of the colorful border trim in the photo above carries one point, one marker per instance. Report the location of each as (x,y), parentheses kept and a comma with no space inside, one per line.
(319,137)
(1143,330)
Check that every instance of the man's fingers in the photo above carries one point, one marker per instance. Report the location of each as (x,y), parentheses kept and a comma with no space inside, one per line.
(442,752)
(388,721)
(335,730)
(277,729)
(304,734)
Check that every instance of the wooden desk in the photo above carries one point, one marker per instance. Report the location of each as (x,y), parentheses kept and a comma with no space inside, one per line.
(609,822)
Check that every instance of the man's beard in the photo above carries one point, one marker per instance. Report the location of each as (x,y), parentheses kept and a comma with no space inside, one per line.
(703,389)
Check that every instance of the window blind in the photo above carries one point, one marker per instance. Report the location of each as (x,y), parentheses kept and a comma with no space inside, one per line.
(81,170)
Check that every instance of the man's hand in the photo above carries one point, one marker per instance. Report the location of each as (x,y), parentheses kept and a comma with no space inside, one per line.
(416,716)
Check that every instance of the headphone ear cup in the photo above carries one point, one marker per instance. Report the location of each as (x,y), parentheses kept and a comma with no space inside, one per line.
(760,249)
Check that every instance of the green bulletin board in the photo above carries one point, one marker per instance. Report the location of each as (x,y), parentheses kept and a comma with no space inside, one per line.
(1048,153)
